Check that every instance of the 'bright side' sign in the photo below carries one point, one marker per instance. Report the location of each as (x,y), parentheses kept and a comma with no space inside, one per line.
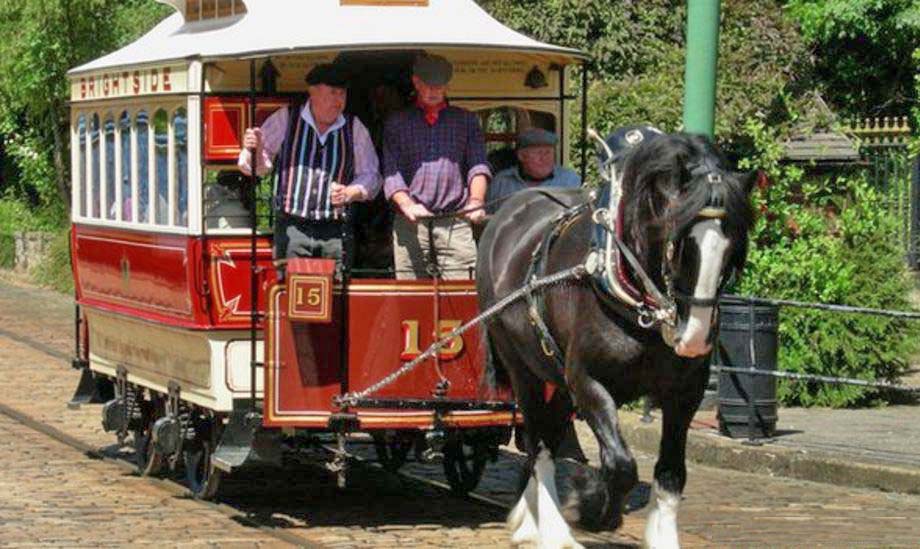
(114,84)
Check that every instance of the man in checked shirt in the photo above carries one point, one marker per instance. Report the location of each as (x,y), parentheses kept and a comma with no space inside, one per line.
(434,163)
(326,160)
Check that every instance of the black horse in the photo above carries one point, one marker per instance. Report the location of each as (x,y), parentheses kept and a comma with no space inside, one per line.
(684,216)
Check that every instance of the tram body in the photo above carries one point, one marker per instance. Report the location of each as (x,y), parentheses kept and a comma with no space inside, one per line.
(163,274)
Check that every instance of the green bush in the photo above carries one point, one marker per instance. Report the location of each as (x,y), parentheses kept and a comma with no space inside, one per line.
(17,216)
(829,240)
(7,251)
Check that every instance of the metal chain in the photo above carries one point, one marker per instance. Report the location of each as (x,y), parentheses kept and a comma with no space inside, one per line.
(823,379)
(910,315)
(578,271)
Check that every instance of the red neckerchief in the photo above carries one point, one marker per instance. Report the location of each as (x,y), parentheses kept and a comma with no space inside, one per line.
(431,112)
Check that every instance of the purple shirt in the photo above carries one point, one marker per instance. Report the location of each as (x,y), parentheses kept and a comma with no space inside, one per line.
(434,164)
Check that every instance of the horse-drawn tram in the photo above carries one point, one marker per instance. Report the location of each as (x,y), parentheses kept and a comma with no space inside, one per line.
(212,360)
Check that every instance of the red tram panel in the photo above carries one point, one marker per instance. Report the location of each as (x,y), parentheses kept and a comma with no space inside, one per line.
(225,120)
(172,279)
(389,322)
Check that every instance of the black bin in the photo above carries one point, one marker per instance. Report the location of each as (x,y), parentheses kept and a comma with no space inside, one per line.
(737,417)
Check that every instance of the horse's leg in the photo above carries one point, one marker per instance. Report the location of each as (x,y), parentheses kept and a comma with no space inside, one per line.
(564,440)
(536,518)
(677,411)
(602,507)
(528,392)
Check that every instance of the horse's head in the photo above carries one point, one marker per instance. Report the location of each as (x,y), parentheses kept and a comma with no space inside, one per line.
(689,217)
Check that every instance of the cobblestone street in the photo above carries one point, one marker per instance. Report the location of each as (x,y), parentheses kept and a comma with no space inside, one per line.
(54,494)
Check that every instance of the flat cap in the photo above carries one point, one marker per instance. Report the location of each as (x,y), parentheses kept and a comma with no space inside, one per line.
(535,137)
(331,74)
(434,70)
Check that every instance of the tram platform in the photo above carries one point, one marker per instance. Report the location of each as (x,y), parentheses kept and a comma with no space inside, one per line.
(868,448)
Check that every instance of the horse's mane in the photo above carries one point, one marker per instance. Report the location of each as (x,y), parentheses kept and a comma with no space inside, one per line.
(659,171)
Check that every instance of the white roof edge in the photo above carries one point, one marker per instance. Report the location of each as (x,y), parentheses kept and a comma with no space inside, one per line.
(576,55)
(243,36)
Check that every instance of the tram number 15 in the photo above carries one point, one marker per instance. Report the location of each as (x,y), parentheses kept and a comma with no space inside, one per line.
(411,347)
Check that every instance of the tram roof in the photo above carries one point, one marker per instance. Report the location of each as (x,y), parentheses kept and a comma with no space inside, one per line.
(277,27)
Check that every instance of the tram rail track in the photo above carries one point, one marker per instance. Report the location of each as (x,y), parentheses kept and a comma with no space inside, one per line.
(163,484)
(174,488)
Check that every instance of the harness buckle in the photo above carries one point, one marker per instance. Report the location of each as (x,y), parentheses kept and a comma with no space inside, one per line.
(646,318)
(601,217)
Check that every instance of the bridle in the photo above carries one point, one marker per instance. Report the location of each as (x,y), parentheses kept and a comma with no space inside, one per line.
(655,307)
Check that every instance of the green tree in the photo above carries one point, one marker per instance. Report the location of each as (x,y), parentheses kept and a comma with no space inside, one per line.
(638,54)
(867,52)
(40,40)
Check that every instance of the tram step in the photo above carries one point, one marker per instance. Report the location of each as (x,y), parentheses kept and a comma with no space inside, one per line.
(244,442)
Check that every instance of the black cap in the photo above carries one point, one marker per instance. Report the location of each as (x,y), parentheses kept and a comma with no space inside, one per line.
(536,137)
(330,74)
(434,70)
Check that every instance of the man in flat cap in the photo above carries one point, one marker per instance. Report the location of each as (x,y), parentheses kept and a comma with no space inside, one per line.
(434,161)
(325,161)
(536,154)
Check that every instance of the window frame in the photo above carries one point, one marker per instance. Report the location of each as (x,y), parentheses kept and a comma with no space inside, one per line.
(82,189)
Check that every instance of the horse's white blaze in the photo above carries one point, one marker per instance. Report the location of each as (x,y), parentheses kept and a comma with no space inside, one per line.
(522,520)
(554,532)
(661,525)
(712,244)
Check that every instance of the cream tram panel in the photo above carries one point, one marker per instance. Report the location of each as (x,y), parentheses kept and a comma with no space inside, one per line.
(152,354)
(476,74)
(211,368)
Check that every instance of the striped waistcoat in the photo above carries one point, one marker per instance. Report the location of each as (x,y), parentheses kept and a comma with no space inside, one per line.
(306,168)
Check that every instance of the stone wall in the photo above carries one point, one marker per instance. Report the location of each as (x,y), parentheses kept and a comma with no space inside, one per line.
(31,248)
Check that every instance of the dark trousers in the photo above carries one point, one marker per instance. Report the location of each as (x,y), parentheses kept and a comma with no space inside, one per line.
(298,237)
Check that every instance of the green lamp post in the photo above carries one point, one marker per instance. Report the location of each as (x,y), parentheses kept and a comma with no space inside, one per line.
(702,59)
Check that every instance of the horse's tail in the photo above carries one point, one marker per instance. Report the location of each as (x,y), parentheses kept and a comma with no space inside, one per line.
(494,374)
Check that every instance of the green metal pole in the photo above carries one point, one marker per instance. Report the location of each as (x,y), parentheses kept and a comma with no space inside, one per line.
(702,59)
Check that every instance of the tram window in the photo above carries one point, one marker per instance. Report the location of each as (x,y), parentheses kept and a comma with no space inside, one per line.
(142,125)
(180,150)
(226,200)
(81,165)
(224,8)
(161,161)
(94,167)
(109,206)
(127,191)
(197,10)
(208,9)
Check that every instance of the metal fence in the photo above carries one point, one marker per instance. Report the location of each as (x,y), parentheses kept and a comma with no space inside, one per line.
(892,170)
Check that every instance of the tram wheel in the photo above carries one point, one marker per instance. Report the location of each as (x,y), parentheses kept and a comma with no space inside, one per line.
(147,461)
(392,451)
(464,464)
(202,478)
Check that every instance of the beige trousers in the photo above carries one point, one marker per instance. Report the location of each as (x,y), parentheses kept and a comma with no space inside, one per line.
(454,248)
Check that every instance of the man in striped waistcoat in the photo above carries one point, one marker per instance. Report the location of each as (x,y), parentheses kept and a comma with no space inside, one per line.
(325,161)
